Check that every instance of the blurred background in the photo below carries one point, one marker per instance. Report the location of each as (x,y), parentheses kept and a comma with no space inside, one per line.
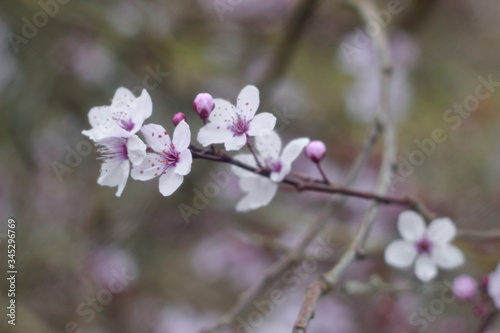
(76,241)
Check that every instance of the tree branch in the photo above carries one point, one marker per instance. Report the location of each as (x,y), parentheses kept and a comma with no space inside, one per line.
(368,13)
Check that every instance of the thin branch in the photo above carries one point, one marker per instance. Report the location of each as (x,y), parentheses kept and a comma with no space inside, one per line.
(307,184)
(490,318)
(368,13)
(479,235)
(295,254)
(288,41)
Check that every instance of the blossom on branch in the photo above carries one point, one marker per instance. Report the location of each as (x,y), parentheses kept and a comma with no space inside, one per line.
(114,128)
(261,190)
(123,118)
(172,158)
(232,125)
(429,247)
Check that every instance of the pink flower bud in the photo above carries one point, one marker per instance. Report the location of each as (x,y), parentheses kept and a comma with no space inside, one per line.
(465,287)
(316,150)
(203,104)
(178,117)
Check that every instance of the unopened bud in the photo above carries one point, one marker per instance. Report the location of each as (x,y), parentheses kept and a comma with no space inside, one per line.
(315,150)
(178,117)
(204,104)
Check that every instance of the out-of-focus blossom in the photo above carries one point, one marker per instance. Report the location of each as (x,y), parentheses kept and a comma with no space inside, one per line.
(465,287)
(232,125)
(172,160)
(183,319)
(356,56)
(113,266)
(260,190)
(494,286)
(227,255)
(429,247)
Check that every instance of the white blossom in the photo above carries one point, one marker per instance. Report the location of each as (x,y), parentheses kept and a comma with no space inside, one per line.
(429,247)
(232,125)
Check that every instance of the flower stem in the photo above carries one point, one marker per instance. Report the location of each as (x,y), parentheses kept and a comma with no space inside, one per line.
(250,147)
(325,178)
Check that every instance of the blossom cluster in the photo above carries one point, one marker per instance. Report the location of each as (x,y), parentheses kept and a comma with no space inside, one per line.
(115,128)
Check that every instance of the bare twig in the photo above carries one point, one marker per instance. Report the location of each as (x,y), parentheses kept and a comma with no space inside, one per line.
(307,184)
(490,318)
(479,235)
(295,254)
(287,43)
(367,12)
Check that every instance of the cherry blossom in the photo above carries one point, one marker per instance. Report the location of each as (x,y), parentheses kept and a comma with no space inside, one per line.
(171,160)
(117,153)
(123,118)
(232,125)
(429,247)
(261,190)
(494,286)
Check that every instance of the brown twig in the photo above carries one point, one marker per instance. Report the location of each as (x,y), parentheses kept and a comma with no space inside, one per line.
(487,321)
(479,235)
(295,254)
(308,184)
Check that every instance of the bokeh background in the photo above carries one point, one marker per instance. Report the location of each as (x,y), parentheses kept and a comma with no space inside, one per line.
(74,236)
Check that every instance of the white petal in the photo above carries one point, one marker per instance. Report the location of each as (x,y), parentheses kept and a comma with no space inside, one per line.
(103,124)
(235,142)
(447,256)
(425,268)
(156,136)
(142,110)
(293,149)
(494,286)
(411,226)
(441,230)
(214,133)
(152,166)
(400,254)
(183,166)
(182,136)
(114,173)
(248,101)
(260,193)
(223,112)
(247,159)
(136,150)
(170,182)
(268,145)
(261,124)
